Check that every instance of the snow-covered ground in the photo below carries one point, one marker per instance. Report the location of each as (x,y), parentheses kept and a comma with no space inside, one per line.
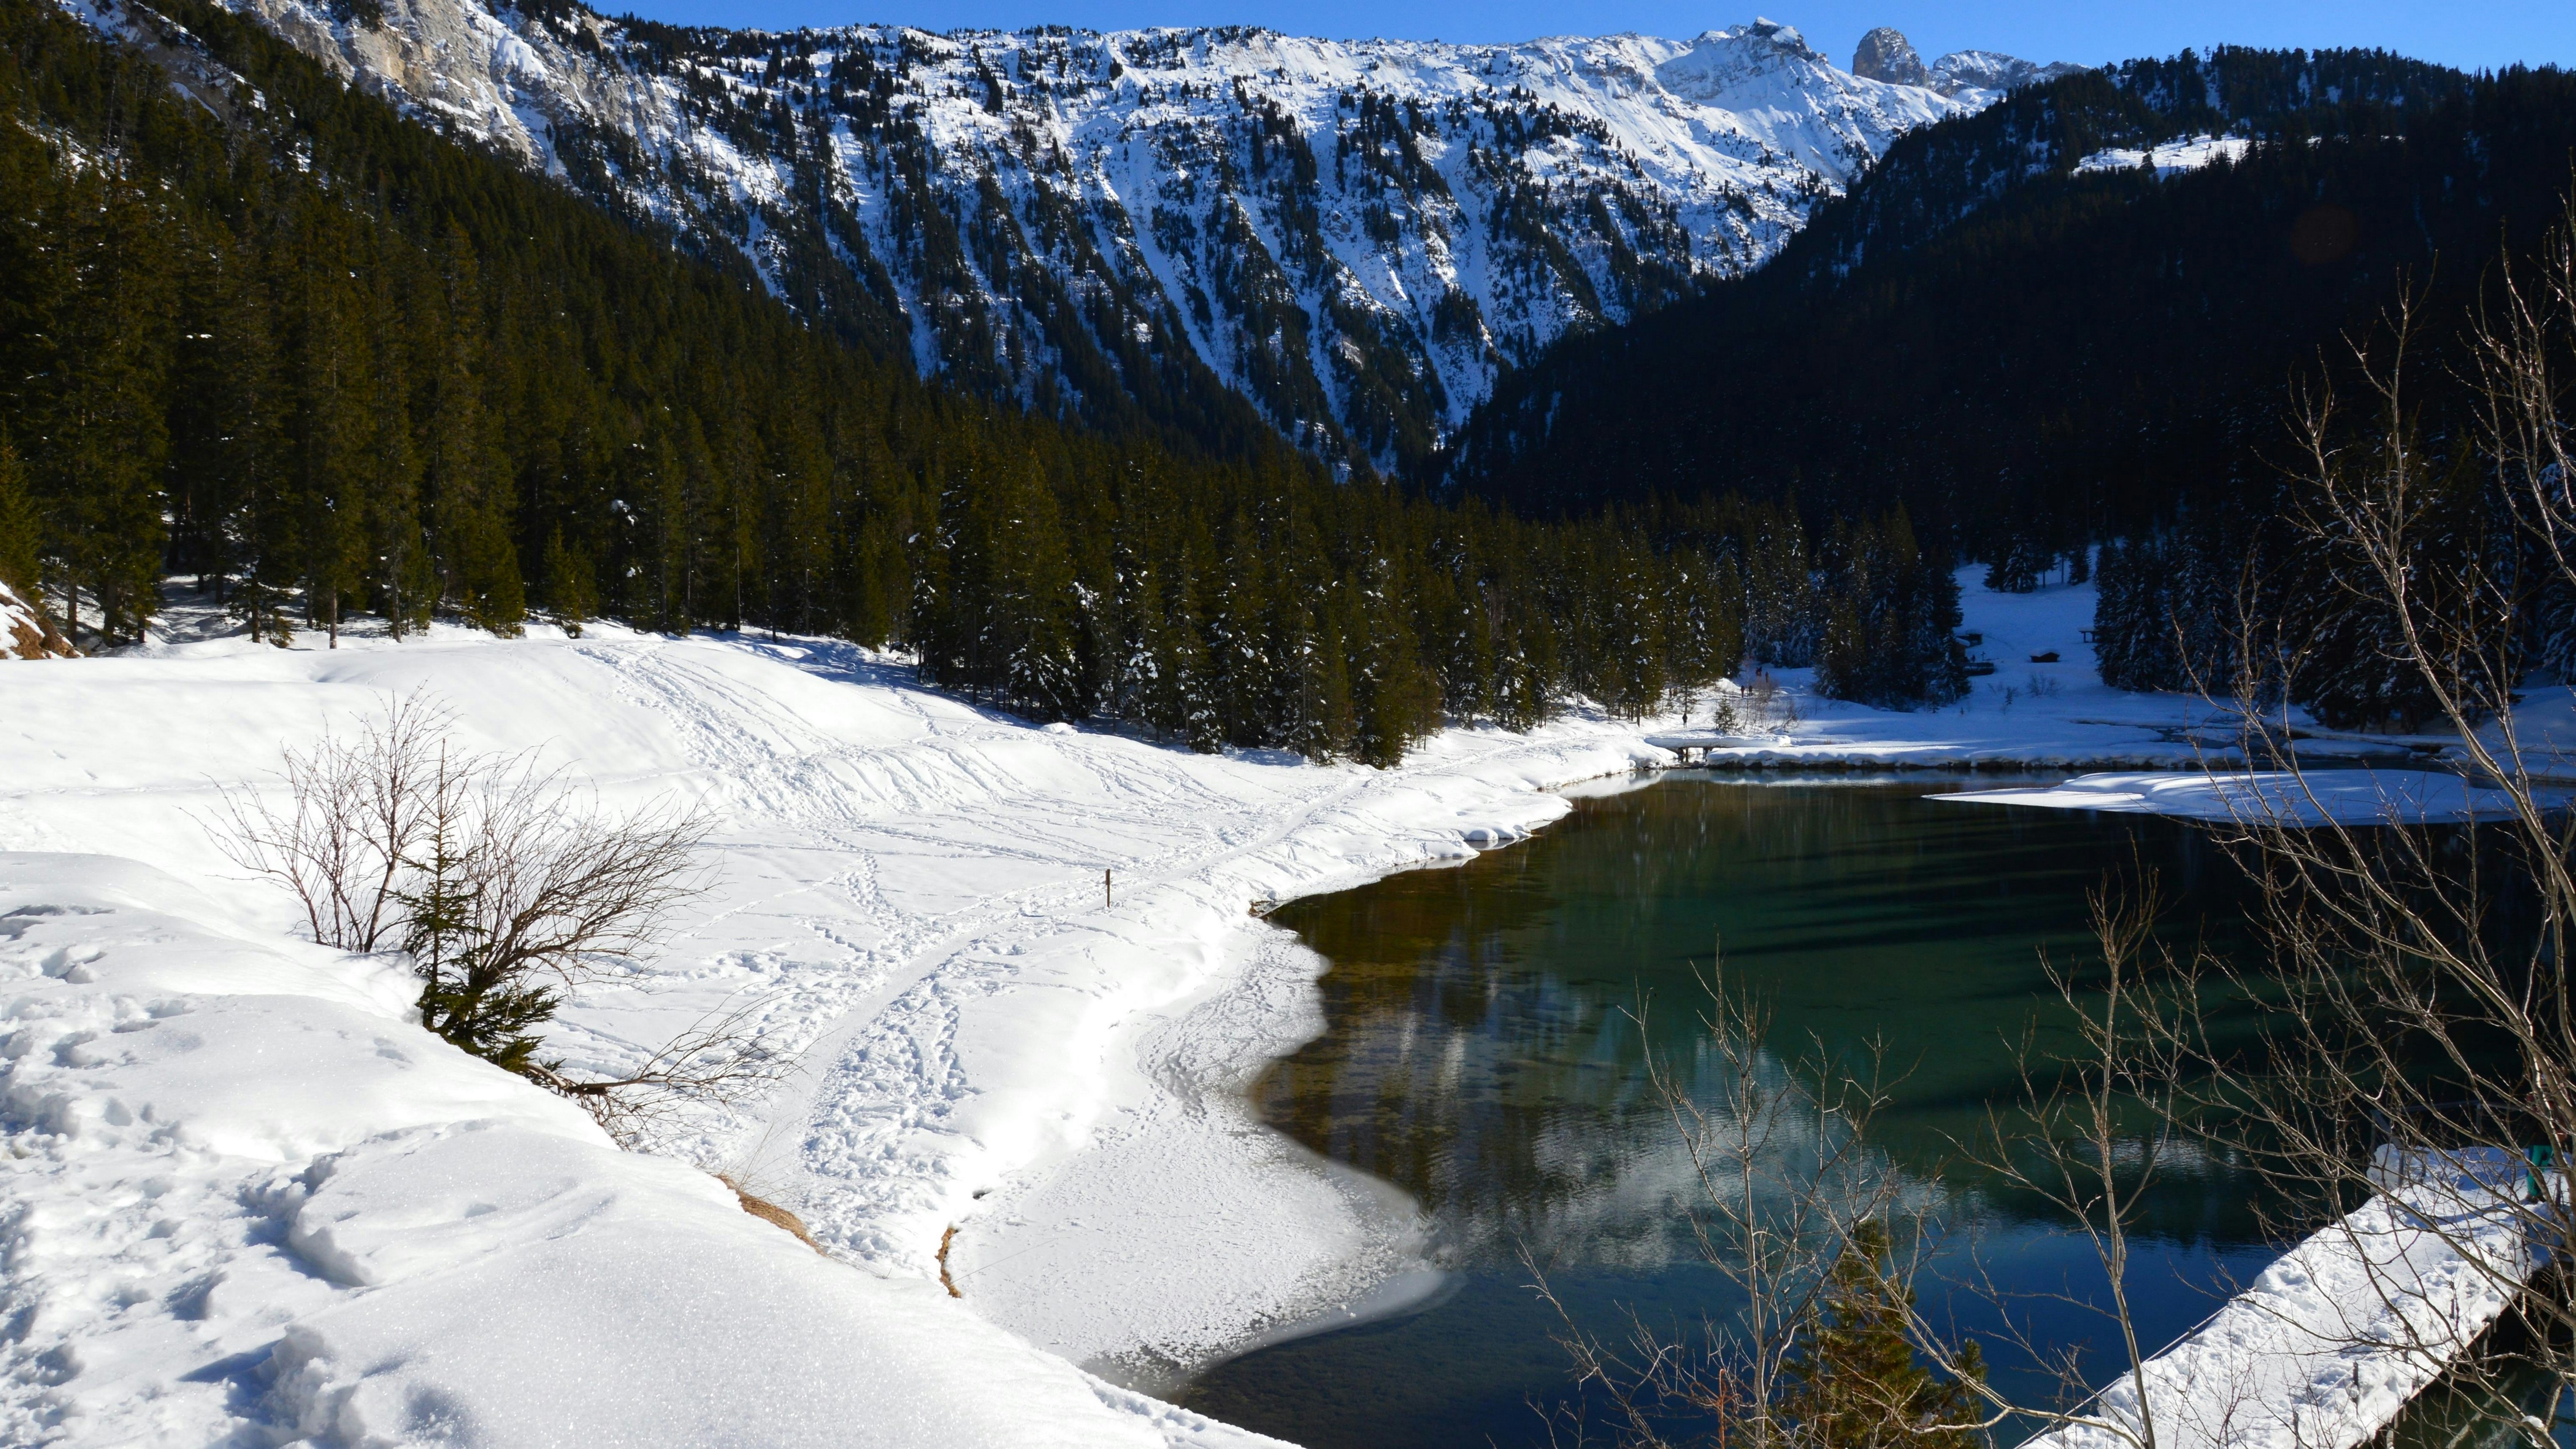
(2027,714)
(249,1198)
(2270,797)
(2325,1348)
(2170,159)
(249,1201)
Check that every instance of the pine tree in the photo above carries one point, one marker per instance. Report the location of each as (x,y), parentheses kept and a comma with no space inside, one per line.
(100,479)
(1853,1380)
(19,555)
(1397,700)
(467,494)
(572,589)
(2015,568)
(462,997)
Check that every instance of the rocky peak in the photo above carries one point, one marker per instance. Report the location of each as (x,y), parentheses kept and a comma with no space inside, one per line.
(1886,55)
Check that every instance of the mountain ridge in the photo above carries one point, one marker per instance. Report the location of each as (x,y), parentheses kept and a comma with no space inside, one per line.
(1203,232)
(2071,316)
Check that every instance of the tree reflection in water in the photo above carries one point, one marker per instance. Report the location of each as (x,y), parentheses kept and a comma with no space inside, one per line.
(1483,1051)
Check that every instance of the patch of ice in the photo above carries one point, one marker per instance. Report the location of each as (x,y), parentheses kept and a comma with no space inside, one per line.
(2307,798)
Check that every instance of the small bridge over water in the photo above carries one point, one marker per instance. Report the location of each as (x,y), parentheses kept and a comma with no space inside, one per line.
(1686,743)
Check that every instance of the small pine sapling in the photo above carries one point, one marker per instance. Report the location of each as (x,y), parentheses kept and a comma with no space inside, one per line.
(1854,1381)
(466,994)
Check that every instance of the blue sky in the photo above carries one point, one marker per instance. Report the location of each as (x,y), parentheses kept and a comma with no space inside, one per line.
(2471,35)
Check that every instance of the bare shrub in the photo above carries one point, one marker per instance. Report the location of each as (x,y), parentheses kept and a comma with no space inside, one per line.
(1767,705)
(2419,1020)
(2087,1135)
(353,816)
(506,885)
(1827,1241)
(1806,1221)
(770,1212)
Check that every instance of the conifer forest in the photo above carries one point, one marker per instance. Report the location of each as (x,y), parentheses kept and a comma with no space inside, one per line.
(263,335)
(312,358)
(1204,737)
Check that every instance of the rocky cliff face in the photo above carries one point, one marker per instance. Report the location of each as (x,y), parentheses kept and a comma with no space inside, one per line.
(1157,227)
(1886,55)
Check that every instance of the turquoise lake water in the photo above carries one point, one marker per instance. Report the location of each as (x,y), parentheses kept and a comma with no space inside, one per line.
(1484,1052)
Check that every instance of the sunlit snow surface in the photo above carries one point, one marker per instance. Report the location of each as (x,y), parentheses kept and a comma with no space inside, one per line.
(248,1198)
(2326,1346)
(2169,159)
(248,1195)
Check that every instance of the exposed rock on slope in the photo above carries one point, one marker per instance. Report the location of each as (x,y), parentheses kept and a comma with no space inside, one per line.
(25,633)
(1886,55)
(1150,227)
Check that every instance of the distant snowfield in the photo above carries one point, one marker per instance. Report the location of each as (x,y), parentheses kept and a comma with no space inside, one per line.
(248,1198)
(2170,159)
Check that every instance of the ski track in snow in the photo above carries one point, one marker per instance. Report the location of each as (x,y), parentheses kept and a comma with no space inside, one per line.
(208,1246)
(909,889)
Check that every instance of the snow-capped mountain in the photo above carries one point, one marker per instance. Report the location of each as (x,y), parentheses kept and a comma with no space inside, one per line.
(1353,236)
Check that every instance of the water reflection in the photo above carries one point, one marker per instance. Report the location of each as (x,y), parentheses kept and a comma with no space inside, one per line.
(1486,1026)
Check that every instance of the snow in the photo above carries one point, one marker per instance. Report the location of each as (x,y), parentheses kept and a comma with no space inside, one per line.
(251,1200)
(248,1196)
(2169,159)
(25,633)
(1697,156)
(2330,1342)
(2026,715)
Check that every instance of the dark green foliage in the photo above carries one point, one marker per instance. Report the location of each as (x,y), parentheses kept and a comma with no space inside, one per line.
(466,994)
(362,369)
(2172,605)
(572,588)
(2343,641)
(1891,613)
(1853,1380)
(18,527)
(2029,358)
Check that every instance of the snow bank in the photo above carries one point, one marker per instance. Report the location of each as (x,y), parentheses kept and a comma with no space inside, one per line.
(247,1192)
(2328,1345)
(25,633)
(2310,798)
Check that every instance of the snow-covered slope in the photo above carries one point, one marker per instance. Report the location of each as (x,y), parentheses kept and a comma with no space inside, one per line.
(1353,235)
(249,1197)
(1973,75)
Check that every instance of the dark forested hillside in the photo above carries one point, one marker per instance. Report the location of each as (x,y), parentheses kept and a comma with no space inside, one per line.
(2028,355)
(1212,236)
(259,332)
